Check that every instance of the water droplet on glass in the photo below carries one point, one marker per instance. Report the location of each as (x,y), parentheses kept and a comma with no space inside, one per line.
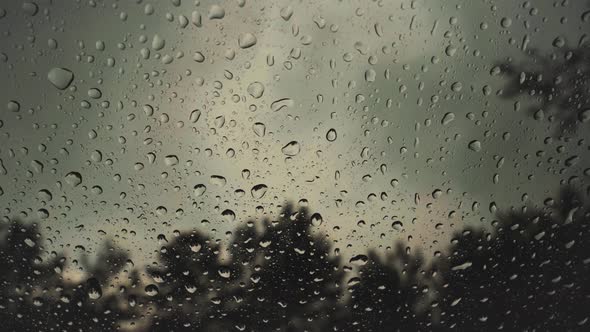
(13,106)
(217,180)
(475,146)
(228,215)
(94,93)
(316,219)
(73,179)
(93,289)
(171,160)
(279,104)
(256,89)
(447,118)
(151,290)
(259,129)
(359,260)
(331,135)
(286,13)
(291,149)
(246,40)
(216,12)
(199,190)
(158,42)
(258,191)
(195,115)
(30,8)
(61,78)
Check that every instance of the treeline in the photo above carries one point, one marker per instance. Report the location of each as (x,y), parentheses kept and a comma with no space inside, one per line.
(530,272)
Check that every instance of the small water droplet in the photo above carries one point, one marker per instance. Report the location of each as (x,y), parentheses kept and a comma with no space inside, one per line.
(331,135)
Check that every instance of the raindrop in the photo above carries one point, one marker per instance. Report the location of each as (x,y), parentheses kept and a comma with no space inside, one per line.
(475,146)
(13,106)
(279,104)
(258,191)
(199,190)
(331,135)
(224,272)
(217,180)
(246,40)
(447,118)
(151,290)
(228,215)
(286,13)
(216,12)
(73,179)
(61,78)
(171,160)
(93,289)
(94,93)
(256,89)
(198,57)
(194,116)
(259,129)
(30,8)
(359,260)
(584,116)
(158,42)
(291,149)
(316,219)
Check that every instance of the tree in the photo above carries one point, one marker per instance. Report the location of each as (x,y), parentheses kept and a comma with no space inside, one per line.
(293,282)
(389,290)
(35,295)
(530,273)
(559,82)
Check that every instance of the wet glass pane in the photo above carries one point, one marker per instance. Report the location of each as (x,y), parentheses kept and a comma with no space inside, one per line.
(241,165)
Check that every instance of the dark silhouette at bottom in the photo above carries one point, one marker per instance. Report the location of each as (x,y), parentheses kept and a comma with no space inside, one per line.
(528,272)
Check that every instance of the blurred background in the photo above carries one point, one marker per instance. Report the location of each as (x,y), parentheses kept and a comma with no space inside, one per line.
(132,122)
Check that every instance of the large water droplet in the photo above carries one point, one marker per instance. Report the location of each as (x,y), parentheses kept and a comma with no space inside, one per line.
(278,105)
(259,190)
(199,190)
(246,40)
(447,118)
(256,89)
(158,42)
(291,149)
(475,146)
(61,78)
(73,179)
(331,135)
(171,160)
(216,12)
(259,129)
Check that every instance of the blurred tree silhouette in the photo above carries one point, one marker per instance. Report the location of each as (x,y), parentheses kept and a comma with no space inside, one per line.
(279,277)
(294,282)
(35,295)
(190,284)
(531,274)
(559,82)
(387,291)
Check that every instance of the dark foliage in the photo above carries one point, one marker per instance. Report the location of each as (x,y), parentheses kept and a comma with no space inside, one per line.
(530,272)
(558,81)
(533,274)
(35,296)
